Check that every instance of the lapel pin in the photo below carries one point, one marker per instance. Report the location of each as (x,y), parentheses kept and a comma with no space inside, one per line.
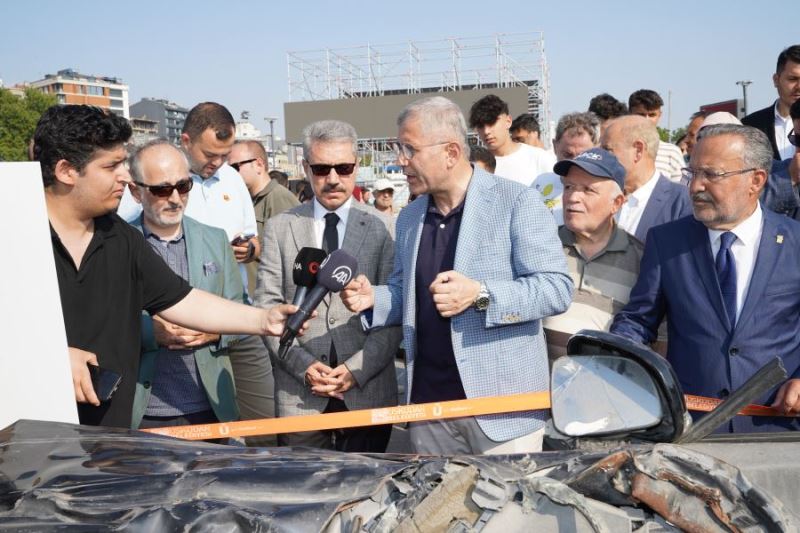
(779,239)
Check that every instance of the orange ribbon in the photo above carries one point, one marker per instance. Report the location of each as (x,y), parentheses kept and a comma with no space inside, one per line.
(404,413)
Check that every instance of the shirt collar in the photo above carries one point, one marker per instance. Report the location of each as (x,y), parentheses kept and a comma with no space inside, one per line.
(147,233)
(266,190)
(617,243)
(213,177)
(778,118)
(643,193)
(747,231)
(343,211)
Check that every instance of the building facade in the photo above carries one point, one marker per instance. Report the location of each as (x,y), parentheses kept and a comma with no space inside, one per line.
(168,115)
(71,87)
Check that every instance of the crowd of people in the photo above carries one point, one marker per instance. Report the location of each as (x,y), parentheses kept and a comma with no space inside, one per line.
(176,265)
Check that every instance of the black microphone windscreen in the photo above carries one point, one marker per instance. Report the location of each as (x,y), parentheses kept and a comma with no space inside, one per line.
(337,270)
(306,265)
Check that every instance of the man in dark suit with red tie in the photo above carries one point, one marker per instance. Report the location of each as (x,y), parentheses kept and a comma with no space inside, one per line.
(726,279)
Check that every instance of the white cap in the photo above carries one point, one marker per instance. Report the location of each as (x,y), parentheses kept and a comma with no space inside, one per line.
(720,117)
(382,184)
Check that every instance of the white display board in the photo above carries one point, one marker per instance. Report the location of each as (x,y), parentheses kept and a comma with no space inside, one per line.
(35,378)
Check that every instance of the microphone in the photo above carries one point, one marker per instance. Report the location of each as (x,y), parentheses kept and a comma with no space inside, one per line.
(335,272)
(304,271)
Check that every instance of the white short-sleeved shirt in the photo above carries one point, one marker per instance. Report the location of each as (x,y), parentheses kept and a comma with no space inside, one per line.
(223,201)
(525,164)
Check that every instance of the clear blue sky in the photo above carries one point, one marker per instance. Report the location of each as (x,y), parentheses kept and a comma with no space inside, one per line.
(235,52)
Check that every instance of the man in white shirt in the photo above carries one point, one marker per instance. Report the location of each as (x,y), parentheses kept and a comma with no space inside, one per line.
(490,118)
(652,199)
(669,158)
(774,120)
(575,133)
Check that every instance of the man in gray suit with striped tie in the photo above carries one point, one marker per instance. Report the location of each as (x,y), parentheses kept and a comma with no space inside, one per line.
(478,264)
(336,366)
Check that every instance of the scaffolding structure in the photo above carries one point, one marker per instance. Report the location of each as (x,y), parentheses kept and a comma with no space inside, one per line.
(422,67)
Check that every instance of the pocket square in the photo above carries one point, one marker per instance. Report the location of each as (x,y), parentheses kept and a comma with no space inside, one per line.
(210,268)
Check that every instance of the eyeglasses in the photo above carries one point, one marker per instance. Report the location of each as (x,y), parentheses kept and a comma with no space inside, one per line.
(238,165)
(165,191)
(793,138)
(713,176)
(342,169)
(409,151)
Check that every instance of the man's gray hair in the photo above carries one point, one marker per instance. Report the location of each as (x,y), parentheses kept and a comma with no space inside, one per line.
(329,131)
(438,115)
(135,159)
(757,148)
(585,121)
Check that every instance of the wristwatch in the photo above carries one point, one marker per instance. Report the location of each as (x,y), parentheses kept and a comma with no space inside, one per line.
(481,303)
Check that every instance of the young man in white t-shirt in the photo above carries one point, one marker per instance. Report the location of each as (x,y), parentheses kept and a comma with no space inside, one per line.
(490,118)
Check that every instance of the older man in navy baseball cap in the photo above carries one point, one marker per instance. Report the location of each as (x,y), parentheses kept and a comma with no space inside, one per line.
(602,258)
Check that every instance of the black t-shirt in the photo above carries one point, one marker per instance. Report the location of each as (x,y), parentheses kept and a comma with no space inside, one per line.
(103,301)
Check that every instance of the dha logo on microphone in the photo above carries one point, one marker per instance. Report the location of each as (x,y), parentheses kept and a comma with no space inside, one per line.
(342,274)
(298,266)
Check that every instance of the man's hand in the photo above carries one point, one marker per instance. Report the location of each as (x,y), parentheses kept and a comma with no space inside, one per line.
(81,379)
(275,319)
(190,339)
(788,398)
(246,251)
(174,337)
(453,293)
(317,376)
(339,381)
(358,295)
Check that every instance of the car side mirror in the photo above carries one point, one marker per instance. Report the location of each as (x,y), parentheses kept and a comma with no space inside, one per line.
(603,395)
(609,386)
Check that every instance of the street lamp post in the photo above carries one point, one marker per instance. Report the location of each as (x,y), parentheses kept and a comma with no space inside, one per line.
(744,84)
(271,121)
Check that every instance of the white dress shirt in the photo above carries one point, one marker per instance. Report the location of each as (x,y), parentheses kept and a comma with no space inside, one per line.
(319,220)
(783,127)
(631,213)
(744,249)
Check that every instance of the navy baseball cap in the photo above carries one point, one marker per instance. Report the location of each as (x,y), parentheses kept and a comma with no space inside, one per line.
(597,162)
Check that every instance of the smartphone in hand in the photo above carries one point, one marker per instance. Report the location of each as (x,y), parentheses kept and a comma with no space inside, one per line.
(104,382)
(241,239)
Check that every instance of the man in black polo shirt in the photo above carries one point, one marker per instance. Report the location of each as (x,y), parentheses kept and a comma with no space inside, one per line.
(106,272)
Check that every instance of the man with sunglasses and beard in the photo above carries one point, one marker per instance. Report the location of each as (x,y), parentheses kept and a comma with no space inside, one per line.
(185,376)
(336,366)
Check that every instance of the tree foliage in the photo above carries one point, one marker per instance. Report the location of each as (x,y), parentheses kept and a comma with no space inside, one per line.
(18,118)
(677,134)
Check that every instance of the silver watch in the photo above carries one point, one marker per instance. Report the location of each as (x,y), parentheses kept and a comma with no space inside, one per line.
(481,303)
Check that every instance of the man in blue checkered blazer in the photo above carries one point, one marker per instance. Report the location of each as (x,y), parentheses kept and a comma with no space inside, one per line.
(478,264)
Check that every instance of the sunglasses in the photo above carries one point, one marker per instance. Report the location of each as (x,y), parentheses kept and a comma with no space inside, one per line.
(342,169)
(165,191)
(793,138)
(236,166)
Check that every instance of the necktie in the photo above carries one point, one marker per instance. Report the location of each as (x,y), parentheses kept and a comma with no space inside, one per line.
(726,274)
(330,237)
(330,242)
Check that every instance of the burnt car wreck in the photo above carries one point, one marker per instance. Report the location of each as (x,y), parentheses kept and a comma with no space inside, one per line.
(623,462)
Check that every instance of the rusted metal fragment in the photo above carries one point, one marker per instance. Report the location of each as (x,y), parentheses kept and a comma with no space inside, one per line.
(446,504)
(598,480)
(684,510)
